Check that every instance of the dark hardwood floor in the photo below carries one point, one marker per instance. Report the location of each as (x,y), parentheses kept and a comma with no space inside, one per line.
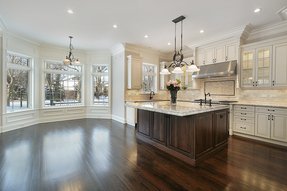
(94,154)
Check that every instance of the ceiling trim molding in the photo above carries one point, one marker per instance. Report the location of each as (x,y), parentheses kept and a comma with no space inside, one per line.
(118,48)
(9,34)
(233,33)
(267,31)
(3,26)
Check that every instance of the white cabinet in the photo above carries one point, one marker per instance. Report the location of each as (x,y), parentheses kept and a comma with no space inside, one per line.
(271,123)
(262,125)
(134,73)
(279,127)
(256,67)
(279,65)
(217,53)
(200,57)
(244,119)
(231,52)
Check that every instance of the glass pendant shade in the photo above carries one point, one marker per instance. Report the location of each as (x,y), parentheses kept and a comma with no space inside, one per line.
(164,71)
(192,68)
(177,70)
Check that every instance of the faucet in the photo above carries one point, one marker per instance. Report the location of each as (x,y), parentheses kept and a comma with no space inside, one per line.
(151,94)
(206,94)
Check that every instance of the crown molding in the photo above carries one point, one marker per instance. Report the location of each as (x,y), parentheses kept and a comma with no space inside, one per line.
(267,31)
(118,48)
(13,35)
(233,33)
(2,25)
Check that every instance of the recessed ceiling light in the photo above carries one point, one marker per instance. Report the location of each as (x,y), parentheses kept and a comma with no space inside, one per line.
(70,11)
(115,26)
(168,43)
(257,10)
(201,31)
(146,36)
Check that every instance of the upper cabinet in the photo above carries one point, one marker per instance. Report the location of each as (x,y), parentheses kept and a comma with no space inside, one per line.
(256,67)
(134,74)
(264,65)
(221,52)
(280,65)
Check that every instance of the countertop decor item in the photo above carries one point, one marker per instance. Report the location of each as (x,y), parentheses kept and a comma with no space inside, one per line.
(173,86)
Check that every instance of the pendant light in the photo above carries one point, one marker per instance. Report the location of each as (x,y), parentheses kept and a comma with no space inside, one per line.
(177,61)
(70,59)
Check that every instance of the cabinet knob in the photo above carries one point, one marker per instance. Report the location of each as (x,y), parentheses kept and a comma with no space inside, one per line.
(272,118)
(226,58)
(268,117)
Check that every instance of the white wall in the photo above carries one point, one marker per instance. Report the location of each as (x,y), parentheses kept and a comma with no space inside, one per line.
(118,81)
(38,113)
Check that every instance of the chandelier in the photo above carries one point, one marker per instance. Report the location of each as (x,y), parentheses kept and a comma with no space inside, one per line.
(69,60)
(177,61)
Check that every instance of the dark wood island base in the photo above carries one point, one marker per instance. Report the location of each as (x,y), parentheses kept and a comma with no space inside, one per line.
(190,138)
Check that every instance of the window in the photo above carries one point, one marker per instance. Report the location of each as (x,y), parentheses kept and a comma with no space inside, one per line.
(149,75)
(100,84)
(18,84)
(62,84)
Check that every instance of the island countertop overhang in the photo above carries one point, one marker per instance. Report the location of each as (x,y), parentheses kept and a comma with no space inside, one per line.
(180,109)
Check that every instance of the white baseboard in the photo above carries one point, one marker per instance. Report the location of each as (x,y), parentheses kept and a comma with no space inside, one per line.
(119,119)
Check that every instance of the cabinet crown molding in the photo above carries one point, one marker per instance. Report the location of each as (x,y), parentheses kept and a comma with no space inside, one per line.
(267,32)
(234,34)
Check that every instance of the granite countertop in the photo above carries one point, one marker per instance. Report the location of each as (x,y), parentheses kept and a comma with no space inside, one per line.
(282,103)
(180,109)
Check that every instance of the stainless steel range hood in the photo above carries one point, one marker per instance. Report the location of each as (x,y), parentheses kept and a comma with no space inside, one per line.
(222,69)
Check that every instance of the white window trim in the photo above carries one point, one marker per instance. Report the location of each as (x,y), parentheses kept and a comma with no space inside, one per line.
(150,74)
(29,68)
(45,71)
(92,82)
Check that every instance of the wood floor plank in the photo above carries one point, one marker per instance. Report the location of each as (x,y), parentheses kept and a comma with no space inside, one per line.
(98,154)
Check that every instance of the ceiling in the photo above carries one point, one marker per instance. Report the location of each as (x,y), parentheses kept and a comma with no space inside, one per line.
(92,22)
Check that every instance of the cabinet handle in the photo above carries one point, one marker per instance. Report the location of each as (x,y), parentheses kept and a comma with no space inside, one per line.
(268,117)
(226,58)
(272,118)
(271,109)
(243,113)
(243,127)
(242,119)
(256,83)
(273,83)
(253,83)
(243,108)
(215,60)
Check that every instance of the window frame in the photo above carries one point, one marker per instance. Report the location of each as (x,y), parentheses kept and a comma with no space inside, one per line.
(30,69)
(45,71)
(155,74)
(109,82)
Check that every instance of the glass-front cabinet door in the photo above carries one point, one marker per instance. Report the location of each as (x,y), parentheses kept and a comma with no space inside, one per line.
(247,68)
(263,67)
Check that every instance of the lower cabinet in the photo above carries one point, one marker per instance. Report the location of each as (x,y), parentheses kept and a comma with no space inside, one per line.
(158,127)
(188,138)
(144,122)
(221,127)
(181,133)
(204,133)
(270,122)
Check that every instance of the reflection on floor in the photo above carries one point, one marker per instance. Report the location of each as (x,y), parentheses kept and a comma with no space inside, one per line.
(97,154)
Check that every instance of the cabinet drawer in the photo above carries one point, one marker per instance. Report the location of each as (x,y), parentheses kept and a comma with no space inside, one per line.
(245,128)
(244,114)
(244,108)
(239,119)
(271,110)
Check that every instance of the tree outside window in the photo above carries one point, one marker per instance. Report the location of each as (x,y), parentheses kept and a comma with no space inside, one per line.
(100,84)
(18,82)
(62,84)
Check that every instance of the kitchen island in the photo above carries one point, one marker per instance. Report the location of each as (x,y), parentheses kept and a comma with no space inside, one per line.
(187,131)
